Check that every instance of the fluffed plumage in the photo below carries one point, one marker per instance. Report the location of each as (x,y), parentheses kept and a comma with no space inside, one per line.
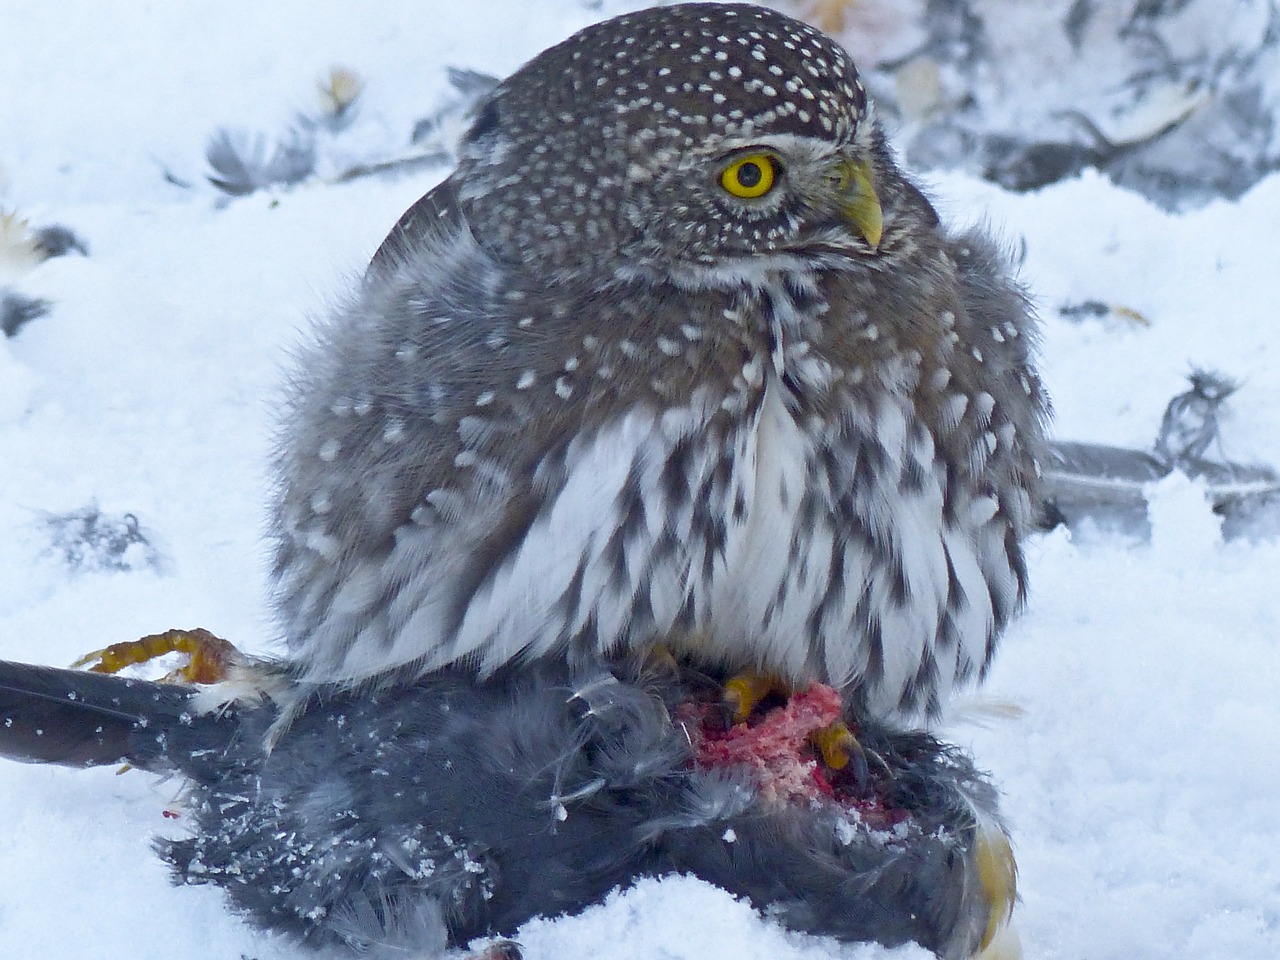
(596,394)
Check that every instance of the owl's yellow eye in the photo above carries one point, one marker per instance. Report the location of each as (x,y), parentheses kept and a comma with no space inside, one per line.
(750,176)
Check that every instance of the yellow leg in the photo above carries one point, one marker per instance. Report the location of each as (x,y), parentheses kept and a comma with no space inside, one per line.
(837,744)
(744,691)
(208,656)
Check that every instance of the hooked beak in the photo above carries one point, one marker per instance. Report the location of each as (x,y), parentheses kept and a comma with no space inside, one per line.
(858,200)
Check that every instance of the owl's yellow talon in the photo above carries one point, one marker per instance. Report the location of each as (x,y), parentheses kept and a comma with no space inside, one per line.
(744,691)
(208,656)
(837,744)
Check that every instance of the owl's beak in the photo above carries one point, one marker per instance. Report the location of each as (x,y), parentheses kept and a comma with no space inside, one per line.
(858,200)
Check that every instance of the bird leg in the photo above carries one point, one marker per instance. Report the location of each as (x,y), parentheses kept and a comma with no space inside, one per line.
(745,691)
(839,747)
(208,657)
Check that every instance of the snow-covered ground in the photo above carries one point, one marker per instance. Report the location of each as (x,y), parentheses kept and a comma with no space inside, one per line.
(1142,780)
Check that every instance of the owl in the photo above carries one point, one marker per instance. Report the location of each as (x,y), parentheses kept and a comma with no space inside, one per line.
(677,357)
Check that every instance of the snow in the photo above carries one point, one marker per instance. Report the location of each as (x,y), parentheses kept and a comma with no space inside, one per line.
(1142,778)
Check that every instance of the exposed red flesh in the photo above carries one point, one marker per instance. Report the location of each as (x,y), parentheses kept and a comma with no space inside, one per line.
(774,744)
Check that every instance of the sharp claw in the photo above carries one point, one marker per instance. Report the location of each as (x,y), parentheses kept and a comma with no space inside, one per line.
(720,717)
(842,752)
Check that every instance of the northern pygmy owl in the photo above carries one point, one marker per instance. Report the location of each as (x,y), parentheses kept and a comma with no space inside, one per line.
(677,355)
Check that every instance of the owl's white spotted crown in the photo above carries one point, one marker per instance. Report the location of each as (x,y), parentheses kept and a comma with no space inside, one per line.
(697,69)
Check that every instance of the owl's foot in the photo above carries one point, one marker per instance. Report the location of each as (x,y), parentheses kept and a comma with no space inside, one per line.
(745,691)
(836,743)
(841,751)
(209,658)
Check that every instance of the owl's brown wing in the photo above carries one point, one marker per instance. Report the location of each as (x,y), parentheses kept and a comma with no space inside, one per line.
(436,215)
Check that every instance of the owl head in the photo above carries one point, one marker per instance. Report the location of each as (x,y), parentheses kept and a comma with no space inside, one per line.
(698,137)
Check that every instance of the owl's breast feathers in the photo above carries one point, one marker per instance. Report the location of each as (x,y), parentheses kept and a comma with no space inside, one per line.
(820,473)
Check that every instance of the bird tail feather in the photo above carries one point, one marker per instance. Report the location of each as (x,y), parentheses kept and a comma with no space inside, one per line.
(80,719)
